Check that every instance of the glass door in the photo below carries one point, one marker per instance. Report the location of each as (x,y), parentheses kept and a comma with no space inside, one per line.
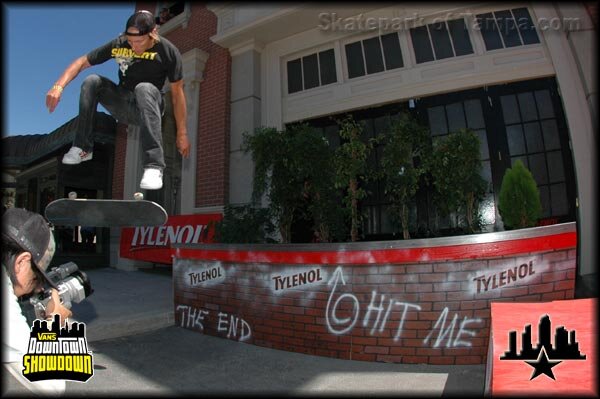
(514,121)
(530,118)
(447,114)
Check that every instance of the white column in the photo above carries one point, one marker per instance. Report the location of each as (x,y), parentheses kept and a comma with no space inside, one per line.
(245,117)
(579,119)
(194,62)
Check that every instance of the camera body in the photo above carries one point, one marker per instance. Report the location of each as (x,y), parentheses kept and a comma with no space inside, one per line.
(73,287)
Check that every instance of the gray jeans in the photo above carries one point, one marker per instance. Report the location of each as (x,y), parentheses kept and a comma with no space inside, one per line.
(142,107)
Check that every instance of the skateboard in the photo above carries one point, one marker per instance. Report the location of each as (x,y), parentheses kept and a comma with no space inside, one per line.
(105,212)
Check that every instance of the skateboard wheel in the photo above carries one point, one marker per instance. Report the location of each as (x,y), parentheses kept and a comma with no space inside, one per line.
(72,195)
(138,196)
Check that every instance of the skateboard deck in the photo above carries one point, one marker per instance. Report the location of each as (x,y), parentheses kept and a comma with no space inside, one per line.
(105,213)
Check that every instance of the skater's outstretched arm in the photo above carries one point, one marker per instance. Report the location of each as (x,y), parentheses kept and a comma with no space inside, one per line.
(179,110)
(54,94)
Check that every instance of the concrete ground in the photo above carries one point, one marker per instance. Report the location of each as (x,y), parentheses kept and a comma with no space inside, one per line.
(175,361)
(137,349)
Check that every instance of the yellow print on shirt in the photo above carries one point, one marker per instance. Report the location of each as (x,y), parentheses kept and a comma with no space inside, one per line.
(125,57)
(129,53)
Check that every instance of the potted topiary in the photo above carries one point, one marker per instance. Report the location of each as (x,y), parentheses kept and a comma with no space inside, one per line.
(519,202)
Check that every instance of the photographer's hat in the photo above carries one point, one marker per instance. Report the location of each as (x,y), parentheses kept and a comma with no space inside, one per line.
(30,231)
(143,20)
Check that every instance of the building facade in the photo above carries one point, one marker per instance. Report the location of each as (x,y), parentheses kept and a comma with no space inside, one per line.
(522,75)
(34,176)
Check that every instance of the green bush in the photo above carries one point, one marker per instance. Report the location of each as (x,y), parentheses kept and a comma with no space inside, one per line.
(293,167)
(403,163)
(244,225)
(519,202)
(455,166)
(351,169)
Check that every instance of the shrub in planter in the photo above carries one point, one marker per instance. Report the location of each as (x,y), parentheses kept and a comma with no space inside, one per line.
(351,170)
(519,201)
(324,210)
(273,175)
(244,224)
(455,167)
(403,163)
(293,168)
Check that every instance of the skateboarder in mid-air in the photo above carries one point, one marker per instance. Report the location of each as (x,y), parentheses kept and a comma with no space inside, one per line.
(145,60)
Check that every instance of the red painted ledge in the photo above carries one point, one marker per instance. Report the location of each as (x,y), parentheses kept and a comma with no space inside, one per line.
(437,251)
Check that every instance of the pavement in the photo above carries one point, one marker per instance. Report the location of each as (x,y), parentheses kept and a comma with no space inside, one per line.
(138,350)
(125,303)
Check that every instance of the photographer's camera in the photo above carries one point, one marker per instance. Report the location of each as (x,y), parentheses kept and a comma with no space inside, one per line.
(73,287)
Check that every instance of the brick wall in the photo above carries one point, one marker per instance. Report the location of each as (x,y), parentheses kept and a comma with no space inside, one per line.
(435,312)
(592,9)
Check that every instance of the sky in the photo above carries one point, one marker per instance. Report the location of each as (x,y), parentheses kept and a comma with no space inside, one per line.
(39,41)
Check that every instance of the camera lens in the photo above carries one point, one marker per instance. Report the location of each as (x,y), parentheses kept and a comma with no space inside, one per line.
(85,282)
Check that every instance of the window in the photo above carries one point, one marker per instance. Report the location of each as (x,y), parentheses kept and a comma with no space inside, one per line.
(169,10)
(507,28)
(521,120)
(355,60)
(377,222)
(311,71)
(171,15)
(532,132)
(327,63)
(294,70)
(377,54)
(373,55)
(449,117)
(441,40)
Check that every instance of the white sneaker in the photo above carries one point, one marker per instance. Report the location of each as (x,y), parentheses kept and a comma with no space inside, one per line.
(76,156)
(152,179)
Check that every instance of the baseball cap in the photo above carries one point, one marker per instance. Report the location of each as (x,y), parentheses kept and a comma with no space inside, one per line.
(143,20)
(32,233)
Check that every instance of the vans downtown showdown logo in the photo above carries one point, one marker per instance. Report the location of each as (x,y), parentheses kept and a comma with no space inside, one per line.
(57,353)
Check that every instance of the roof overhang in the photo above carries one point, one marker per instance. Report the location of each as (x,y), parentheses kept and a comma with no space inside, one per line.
(284,23)
(21,151)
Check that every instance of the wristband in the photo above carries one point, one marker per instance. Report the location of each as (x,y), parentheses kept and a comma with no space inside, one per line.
(58,87)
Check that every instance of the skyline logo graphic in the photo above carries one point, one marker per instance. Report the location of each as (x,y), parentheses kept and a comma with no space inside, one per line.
(544,356)
(57,353)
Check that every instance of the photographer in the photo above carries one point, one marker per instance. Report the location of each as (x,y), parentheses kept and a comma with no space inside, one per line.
(27,249)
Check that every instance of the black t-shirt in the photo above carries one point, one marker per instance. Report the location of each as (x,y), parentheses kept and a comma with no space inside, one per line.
(154,65)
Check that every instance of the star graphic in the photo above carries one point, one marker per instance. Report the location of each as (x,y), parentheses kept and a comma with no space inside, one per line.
(542,365)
